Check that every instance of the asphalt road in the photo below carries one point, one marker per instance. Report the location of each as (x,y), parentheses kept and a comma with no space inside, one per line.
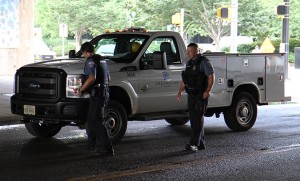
(154,150)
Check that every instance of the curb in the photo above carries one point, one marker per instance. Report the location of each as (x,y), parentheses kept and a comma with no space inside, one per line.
(10,120)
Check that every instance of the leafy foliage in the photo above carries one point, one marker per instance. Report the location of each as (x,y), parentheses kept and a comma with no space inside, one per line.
(92,15)
(246,48)
(255,18)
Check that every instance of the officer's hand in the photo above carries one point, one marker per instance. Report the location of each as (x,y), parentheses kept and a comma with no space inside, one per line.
(206,95)
(178,97)
(79,93)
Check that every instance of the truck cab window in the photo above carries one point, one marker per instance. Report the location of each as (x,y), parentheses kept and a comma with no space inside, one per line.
(120,48)
(163,44)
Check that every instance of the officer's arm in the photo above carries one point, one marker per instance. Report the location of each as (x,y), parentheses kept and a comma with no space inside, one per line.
(181,88)
(89,81)
(211,80)
(209,71)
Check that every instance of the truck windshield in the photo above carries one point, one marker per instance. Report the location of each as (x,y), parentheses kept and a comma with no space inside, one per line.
(120,48)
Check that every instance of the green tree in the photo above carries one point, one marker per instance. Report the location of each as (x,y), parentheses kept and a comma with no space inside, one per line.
(275,27)
(294,19)
(201,17)
(80,15)
(156,14)
(256,18)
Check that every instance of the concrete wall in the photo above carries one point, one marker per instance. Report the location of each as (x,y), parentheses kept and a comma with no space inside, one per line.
(12,58)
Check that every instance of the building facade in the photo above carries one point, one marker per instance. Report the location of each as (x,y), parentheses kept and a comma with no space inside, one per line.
(16,34)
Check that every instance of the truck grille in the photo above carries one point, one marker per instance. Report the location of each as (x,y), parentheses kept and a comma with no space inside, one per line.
(37,84)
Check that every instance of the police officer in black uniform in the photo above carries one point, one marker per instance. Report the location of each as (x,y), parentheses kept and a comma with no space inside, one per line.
(197,81)
(96,80)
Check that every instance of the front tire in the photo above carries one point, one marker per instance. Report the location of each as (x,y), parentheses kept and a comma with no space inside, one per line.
(242,113)
(116,120)
(43,130)
(177,121)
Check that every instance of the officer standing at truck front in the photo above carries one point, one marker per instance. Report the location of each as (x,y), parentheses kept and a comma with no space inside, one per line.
(197,81)
(96,83)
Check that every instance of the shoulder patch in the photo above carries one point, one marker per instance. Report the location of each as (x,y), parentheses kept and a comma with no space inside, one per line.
(91,64)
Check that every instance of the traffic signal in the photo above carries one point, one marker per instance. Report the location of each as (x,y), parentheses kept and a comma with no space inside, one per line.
(223,12)
(176,19)
(281,10)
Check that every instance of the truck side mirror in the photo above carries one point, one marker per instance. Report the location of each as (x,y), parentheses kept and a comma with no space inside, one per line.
(159,60)
(143,63)
(72,54)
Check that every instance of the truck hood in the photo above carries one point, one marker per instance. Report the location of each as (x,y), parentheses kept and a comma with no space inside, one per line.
(73,66)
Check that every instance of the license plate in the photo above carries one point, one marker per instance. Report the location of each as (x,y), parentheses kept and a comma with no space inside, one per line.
(29,110)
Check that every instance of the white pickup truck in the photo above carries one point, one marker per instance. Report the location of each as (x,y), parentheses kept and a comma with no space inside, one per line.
(144,85)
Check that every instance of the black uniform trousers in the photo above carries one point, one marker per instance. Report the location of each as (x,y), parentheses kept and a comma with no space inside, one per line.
(197,107)
(96,130)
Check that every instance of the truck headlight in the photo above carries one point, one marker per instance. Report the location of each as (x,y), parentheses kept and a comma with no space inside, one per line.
(74,83)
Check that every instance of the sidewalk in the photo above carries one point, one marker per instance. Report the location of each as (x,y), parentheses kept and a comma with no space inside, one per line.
(6,90)
(292,84)
(292,88)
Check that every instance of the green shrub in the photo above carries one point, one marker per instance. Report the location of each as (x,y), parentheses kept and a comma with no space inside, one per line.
(291,57)
(245,48)
(56,44)
(292,44)
(276,44)
(68,47)
(53,42)
(225,49)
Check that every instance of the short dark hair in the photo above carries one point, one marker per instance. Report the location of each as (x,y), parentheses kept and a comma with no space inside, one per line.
(87,46)
(194,45)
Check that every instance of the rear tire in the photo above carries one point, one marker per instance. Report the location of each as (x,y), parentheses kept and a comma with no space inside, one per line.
(242,113)
(177,121)
(43,130)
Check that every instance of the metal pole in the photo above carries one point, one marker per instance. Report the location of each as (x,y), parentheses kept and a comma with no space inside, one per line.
(182,23)
(63,46)
(285,36)
(233,31)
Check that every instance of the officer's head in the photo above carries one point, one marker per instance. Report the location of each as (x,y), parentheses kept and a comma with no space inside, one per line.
(135,47)
(87,49)
(192,50)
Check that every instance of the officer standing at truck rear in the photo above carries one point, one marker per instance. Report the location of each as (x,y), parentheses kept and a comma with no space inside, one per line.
(96,83)
(197,81)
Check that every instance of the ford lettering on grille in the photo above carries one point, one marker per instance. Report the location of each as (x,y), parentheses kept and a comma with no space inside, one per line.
(33,85)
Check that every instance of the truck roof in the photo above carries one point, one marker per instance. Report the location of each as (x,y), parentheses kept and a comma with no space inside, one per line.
(150,33)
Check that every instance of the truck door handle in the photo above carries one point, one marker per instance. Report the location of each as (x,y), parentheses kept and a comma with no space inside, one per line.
(145,88)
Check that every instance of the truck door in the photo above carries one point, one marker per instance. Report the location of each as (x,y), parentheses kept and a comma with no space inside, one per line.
(274,77)
(157,89)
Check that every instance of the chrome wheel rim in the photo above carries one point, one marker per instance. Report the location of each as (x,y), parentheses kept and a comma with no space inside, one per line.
(244,112)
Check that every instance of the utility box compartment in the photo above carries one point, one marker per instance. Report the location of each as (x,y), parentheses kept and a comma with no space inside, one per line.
(274,78)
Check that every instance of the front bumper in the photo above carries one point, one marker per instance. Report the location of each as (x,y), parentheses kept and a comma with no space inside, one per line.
(70,110)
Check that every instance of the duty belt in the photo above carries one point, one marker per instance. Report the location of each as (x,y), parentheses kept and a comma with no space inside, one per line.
(192,91)
(100,85)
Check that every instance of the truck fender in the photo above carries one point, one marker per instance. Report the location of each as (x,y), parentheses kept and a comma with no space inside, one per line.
(249,87)
(124,93)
